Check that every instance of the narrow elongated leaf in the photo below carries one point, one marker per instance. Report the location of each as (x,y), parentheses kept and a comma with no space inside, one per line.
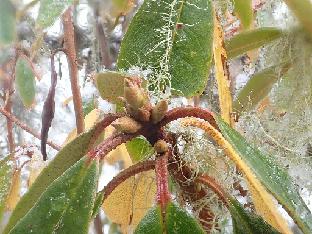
(25,81)
(66,206)
(245,222)
(6,173)
(173,40)
(7,22)
(177,221)
(251,39)
(303,11)
(258,87)
(222,73)
(48,111)
(243,10)
(263,200)
(68,156)
(50,10)
(274,178)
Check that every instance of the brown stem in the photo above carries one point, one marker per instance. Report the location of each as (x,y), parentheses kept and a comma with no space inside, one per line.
(108,119)
(110,144)
(26,128)
(8,109)
(183,112)
(161,170)
(98,226)
(125,174)
(69,46)
(105,55)
(214,186)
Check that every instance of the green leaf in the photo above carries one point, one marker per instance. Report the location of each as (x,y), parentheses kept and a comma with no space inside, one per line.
(6,173)
(177,221)
(111,86)
(66,206)
(245,222)
(251,39)
(139,148)
(273,177)
(7,22)
(88,106)
(243,10)
(97,204)
(258,87)
(173,40)
(302,10)
(50,10)
(66,157)
(25,81)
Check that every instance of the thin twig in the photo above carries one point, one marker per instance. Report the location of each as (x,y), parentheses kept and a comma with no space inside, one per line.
(69,46)
(104,52)
(26,128)
(8,108)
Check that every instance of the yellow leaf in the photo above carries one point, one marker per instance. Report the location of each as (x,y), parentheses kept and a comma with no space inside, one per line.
(14,194)
(263,201)
(129,202)
(36,166)
(222,73)
(90,120)
(119,154)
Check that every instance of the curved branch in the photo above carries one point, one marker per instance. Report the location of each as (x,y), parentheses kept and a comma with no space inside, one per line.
(214,186)
(100,126)
(125,174)
(183,112)
(110,144)
(26,128)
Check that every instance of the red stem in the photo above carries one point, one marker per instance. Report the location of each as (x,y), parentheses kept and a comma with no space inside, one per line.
(183,112)
(163,194)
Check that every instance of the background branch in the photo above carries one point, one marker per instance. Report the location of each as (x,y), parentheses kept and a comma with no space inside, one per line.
(69,46)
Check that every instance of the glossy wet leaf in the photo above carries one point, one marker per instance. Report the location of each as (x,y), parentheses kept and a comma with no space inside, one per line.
(139,148)
(110,85)
(7,22)
(177,221)
(172,39)
(273,177)
(66,157)
(245,222)
(251,39)
(25,81)
(243,10)
(66,205)
(302,10)
(258,87)
(6,174)
(130,201)
(50,11)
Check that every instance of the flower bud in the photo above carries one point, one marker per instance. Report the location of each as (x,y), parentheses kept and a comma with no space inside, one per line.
(161,147)
(126,125)
(159,111)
